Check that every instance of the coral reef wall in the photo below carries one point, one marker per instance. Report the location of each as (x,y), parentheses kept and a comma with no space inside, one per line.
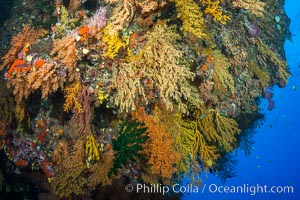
(98,94)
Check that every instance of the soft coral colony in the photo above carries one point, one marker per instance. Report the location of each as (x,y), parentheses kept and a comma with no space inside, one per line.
(149,90)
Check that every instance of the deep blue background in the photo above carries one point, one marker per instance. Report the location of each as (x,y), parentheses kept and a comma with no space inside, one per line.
(276,152)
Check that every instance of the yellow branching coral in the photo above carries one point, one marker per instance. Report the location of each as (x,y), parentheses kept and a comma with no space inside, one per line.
(227,128)
(191,16)
(208,154)
(263,75)
(164,65)
(126,82)
(21,113)
(122,15)
(217,129)
(91,148)
(7,106)
(222,77)
(213,8)
(160,62)
(113,41)
(66,22)
(71,93)
(195,142)
(268,56)
(205,136)
(255,7)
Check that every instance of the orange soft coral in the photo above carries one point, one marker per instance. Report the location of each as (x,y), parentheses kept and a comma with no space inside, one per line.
(14,67)
(21,163)
(39,63)
(84,31)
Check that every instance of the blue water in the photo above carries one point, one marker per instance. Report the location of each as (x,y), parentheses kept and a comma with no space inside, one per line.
(276,153)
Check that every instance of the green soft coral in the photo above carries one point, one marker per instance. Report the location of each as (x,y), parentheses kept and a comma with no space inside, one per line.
(128,145)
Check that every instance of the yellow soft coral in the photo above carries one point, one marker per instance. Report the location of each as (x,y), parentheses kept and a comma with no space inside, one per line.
(208,154)
(217,129)
(213,8)
(191,16)
(113,41)
(222,77)
(91,148)
(102,96)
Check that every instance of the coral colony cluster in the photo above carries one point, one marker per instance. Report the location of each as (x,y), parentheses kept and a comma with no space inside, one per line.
(100,93)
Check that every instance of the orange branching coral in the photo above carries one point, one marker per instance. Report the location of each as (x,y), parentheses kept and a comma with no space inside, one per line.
(255,7)
(21,89)
(147,6)
(159,148)
(64,51)
(181,136)
(18,42)
(44,78)
(213,8)
(71,94)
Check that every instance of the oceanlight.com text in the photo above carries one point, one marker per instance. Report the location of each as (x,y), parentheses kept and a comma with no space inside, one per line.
(210,188)
(249,189)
